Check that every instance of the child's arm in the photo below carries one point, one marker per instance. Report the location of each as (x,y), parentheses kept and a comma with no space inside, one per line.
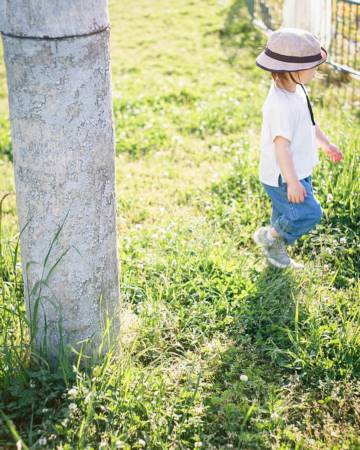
(296,191)
(330,149)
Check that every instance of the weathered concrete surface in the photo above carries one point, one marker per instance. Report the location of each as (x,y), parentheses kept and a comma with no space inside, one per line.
(64,162)
(53,18)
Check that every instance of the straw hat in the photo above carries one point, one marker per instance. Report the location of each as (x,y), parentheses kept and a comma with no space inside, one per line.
(290,50)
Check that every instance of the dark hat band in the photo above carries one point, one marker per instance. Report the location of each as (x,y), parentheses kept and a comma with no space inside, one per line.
(292,59)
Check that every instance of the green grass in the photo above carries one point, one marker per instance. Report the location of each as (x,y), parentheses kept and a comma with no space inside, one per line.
(201,309)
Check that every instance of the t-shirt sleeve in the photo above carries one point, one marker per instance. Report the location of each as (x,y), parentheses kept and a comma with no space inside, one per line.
(279,122)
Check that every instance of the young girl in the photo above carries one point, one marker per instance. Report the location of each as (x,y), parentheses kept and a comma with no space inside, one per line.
(289,139)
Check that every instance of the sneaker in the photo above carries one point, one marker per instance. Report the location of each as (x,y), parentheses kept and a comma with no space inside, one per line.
(274,250)
(260,237)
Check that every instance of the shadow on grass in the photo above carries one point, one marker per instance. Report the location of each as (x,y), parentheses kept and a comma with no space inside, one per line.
(246,385)
(238,33)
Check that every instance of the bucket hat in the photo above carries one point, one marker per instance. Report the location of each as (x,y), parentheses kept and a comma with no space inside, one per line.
(291,50)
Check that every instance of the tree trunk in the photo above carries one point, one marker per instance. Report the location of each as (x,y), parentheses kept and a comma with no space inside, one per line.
(59,83)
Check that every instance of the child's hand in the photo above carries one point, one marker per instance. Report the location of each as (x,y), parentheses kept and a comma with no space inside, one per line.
(334,153)
(296,192)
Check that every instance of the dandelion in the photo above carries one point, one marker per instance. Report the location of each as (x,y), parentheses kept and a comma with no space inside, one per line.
(244,377)
(72,407)
(177,139)
(73,392)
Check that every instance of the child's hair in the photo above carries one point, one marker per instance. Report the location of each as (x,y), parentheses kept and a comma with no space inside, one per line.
(281,76)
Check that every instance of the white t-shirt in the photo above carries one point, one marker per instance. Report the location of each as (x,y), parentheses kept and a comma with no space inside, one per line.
(287,114)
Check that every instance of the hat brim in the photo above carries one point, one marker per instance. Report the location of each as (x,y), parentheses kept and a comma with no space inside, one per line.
(272,65)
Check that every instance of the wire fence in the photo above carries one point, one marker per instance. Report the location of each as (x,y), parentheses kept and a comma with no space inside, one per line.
(335,22)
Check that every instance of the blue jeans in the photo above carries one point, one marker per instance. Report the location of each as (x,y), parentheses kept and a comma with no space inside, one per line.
(292,220)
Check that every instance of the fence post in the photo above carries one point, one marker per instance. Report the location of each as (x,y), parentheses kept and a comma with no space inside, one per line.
(311,16)
(251,7)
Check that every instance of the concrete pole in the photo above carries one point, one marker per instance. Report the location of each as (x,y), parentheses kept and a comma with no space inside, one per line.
(59,83)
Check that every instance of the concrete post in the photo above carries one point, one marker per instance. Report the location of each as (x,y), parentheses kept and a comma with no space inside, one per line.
(313,16)
(59,83)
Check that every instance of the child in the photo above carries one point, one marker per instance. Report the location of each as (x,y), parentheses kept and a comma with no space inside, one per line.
(288,142)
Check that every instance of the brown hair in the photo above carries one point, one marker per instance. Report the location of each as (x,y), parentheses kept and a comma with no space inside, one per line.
(281,76)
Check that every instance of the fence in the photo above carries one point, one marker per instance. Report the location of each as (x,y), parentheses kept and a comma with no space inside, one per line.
(334,22)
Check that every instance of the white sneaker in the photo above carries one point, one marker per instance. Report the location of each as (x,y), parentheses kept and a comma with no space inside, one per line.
(274,250)
(296,265)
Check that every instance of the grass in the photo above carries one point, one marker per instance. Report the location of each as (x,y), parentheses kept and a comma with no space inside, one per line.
(218,350)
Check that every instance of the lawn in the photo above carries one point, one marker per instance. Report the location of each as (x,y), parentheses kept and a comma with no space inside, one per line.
(218,350)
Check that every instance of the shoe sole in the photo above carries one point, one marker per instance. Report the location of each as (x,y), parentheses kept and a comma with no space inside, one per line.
(295,265)
(277,264)
(266,253)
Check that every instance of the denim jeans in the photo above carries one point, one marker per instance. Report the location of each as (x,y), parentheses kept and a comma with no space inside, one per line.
(292,220)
